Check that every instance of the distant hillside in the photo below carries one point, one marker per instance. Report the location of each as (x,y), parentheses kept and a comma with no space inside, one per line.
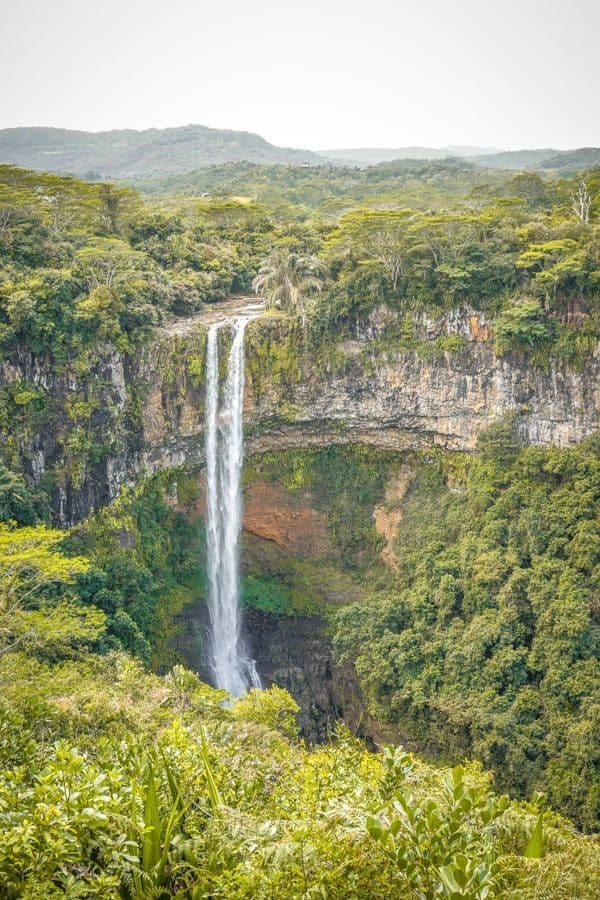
(575,160)
(135,154)
(371,156)
(565,161)
(158,153)
(515,159)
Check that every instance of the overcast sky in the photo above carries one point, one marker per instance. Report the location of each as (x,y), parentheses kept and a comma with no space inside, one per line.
(312,74)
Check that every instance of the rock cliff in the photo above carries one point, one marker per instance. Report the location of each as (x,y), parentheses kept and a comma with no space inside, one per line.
(146,414)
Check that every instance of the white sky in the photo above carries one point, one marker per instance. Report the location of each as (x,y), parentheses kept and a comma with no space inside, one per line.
(312,74)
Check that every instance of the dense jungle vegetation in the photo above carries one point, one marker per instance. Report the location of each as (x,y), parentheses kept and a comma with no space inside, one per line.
(122,775)
(119,783)
(84,263)
(488,640)
(116,782)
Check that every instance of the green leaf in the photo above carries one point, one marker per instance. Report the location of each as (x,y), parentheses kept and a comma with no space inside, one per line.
(151,841)
(173,785)
(535,843)
(448,880)
(213,791)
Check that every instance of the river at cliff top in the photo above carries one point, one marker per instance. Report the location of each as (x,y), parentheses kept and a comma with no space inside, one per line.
(220,311)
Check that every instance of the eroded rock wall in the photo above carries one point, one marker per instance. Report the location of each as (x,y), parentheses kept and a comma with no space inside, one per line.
(395,400)
(148,412)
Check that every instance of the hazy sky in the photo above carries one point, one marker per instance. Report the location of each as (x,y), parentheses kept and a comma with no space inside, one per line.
(312,73)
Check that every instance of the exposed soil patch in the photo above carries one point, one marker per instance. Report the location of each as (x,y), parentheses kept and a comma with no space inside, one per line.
(388,514)
(275,514)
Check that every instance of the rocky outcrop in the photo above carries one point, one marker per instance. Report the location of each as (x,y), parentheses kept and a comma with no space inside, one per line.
(147,413)
(295,654)
(397,399)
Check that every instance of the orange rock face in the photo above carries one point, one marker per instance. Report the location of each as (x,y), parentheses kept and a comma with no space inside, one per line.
(480,330)
(275,514)
(388,514)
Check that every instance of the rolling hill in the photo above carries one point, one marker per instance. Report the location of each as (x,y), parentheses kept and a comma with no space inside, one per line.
(566,162)
(371,156)
(164,152)
(132,154)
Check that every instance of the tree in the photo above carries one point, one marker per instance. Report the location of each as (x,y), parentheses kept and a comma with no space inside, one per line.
(101,308)
(31,562)
(521,325)
(14,202)
(581,202)
(560,269)
(118,207)
(531,187)
(287,281)
(16,501)
(109,261)
(68,203)
(379,235)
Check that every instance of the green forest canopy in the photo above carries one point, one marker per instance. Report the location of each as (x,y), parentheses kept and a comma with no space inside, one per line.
(485,645)
(87,262)
(116,783)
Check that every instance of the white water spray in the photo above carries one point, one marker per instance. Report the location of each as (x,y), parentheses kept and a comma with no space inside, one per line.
(232,668)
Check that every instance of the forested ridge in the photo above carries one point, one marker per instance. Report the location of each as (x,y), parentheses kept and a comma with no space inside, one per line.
(127,152)
(83,262)
(122,775)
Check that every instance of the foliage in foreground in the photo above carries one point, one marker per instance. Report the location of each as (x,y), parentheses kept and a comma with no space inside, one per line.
(120,784)
(116,783)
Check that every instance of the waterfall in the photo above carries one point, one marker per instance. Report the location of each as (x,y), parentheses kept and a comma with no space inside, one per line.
(232,668)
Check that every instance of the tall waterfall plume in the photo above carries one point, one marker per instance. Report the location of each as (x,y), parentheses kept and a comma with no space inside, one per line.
(232,668)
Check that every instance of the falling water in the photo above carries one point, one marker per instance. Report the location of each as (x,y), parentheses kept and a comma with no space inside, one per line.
(232,668)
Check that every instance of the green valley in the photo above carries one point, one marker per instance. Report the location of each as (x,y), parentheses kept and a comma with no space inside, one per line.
(414,571)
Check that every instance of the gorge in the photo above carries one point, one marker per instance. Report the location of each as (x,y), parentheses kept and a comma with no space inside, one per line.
(424,398)
(374,494)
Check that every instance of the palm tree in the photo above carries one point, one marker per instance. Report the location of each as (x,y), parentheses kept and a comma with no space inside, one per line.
(287,281)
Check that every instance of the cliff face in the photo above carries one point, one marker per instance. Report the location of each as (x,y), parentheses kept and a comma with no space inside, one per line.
(146,414)
(393,400)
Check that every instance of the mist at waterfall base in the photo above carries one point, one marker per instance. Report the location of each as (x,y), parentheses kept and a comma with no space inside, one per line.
(232,668)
